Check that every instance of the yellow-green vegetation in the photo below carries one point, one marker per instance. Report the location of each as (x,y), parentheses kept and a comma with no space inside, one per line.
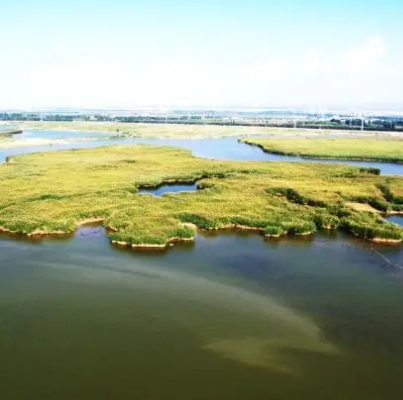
(57,191)
(179,130)
(346,149)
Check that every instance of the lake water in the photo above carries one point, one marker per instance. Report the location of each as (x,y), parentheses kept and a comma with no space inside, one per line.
(218,149)
(232,316)
(397,219)
(55,135)
(229,317)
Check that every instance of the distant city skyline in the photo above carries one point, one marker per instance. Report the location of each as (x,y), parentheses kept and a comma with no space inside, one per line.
(97,54)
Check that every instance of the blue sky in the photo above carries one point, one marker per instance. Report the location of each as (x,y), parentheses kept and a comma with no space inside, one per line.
(96,53)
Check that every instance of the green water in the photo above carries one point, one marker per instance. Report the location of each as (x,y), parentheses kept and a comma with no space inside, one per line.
(230,317)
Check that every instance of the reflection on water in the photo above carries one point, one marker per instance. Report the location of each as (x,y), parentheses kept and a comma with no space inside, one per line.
(280,318)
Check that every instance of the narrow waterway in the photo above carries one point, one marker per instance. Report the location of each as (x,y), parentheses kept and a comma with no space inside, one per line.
(218,149)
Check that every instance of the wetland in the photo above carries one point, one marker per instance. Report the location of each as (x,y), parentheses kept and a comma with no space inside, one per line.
(313,313)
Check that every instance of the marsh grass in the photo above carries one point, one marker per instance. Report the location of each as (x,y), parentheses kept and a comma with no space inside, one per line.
(359,149)
(55,192)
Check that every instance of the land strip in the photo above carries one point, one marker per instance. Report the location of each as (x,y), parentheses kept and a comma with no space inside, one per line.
(357,149)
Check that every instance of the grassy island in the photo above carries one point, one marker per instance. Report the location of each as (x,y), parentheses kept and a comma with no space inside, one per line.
(54,192)
(359,149)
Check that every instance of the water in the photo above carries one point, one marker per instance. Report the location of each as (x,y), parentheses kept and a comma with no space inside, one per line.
(169,188)
(218,149)
(61,135)
(230,317)
(397,219)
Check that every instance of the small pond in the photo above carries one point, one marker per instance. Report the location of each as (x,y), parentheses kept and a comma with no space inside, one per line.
(169,188)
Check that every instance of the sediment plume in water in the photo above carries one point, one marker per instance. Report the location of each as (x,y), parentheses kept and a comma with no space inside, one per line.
(235,323)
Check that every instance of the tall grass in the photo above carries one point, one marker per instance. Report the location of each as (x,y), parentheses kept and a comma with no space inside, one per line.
(361,149)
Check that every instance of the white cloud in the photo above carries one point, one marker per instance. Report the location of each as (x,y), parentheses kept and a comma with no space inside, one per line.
(316,75)
(272,69)
(174,71)
(71,74)
(365,56)
(311,62)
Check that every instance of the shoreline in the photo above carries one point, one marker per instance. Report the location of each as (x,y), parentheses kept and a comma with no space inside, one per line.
(385,241)
(10,143)
(171,241)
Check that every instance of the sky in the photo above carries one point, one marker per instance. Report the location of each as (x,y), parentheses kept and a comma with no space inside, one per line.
(256,53)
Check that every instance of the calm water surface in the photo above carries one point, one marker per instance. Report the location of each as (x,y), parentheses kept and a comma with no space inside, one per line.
(230,317)
(169,188)
(55,134)
(219,149)
(397,219)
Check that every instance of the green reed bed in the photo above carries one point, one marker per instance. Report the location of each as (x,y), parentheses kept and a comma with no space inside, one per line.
(359,149)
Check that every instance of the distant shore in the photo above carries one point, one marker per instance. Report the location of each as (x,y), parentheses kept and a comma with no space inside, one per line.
(13,131)
(196,131)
